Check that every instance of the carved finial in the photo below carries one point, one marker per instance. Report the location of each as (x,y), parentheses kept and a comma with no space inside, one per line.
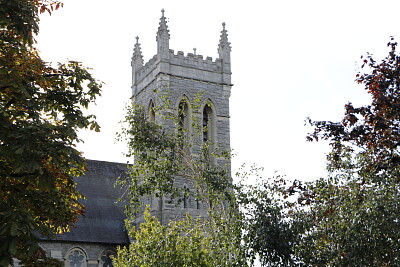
(194,51)
(162,36)
(223,42)
(224,48)
(137,57)
(163,28)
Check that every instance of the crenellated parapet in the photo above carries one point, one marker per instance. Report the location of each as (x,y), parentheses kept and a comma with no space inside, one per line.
(194,61)
(190,66)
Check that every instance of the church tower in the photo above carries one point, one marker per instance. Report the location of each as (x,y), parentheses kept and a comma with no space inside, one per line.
(195,87)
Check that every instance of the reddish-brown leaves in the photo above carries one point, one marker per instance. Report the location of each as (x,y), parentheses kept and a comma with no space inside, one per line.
(49,6)
(373,128)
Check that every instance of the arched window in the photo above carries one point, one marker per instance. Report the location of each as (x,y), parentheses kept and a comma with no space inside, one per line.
(106,258)
(183,118)
(152,112)
(183,115)
(198,203)
(185,197)
(76,257)
(208,127)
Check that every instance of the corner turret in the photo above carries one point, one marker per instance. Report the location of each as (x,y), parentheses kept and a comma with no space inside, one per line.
(224,47)
(224,52)
(163,37)
(137,60)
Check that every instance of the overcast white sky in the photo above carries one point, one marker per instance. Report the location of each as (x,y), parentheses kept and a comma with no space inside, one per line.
(290,59)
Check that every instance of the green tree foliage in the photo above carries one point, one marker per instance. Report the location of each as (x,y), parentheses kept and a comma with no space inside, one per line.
(161,156)
(356,210)
(41,109)
(187,242)
(267,232)
(350,218)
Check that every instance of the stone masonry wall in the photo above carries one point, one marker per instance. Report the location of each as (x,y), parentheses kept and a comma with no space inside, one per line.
(193,79)
(206,87)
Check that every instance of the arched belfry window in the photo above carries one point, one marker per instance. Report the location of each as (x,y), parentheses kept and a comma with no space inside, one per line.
(185,197)
(76,257)
(208,124)
(152,112)
(183,116)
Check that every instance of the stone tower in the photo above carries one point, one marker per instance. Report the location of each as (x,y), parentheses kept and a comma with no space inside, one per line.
(187,79)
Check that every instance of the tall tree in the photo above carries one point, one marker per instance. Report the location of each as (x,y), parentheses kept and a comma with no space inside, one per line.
(268,234)
(351,217)
(41,109)
(161,155)
(353,214)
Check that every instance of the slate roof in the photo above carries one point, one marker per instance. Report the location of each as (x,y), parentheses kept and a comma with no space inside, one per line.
(103,220)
